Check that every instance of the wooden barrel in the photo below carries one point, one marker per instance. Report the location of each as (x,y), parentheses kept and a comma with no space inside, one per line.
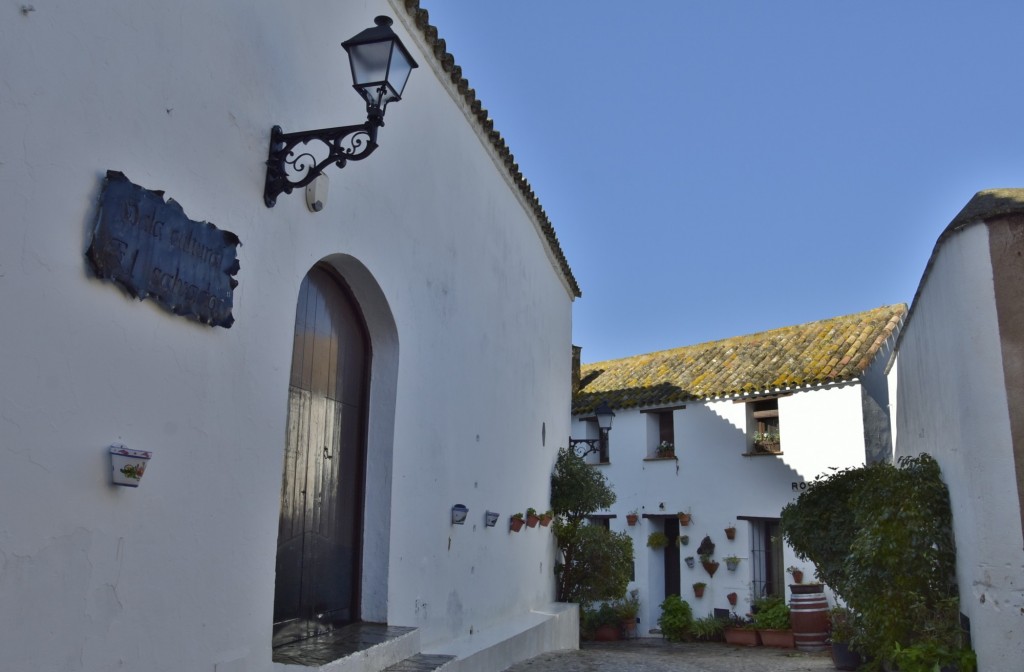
(808,614)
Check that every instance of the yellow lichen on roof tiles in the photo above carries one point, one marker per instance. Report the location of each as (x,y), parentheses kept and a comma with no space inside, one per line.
(835,349)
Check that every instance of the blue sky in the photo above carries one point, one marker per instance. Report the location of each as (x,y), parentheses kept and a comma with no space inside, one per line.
(719,168)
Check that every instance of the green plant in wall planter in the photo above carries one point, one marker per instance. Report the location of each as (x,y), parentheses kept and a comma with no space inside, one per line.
(731,563)
(698,589)
(657,540)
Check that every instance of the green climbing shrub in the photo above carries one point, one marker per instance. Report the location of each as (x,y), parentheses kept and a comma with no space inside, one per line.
(881,537)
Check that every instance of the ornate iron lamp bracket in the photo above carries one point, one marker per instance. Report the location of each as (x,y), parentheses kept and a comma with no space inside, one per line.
(292,167)
(593,446)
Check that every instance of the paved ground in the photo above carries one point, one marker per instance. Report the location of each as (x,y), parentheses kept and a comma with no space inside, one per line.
(659,655)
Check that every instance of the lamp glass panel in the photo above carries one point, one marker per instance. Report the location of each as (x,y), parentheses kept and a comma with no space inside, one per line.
(369,62)
(400,69)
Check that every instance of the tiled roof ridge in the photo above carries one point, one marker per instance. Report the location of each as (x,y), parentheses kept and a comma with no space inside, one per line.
(751,336)
(447,61)
(830,351)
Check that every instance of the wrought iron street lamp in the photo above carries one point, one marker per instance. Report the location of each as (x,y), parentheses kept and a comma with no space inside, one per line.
(380,69)
(604,415)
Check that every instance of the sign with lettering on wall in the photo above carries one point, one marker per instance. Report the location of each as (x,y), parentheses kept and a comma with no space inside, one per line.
(150,248)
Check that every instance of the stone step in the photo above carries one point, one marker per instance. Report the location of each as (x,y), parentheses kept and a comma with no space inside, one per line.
(421,662)
(360,647)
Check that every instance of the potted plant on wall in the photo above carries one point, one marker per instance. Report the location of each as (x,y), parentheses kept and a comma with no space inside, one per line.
(665,449)
(767,442)
(657,540)
(685,517)
(684,539)
(698,589)
(730,532)
(705,551)
(632,517)
(732,597)
(731,563)
(515,522)
(798,574)
(547,517)
(531,517)
(690,562)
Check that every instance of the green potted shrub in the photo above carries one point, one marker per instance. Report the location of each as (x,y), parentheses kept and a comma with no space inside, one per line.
(632,517)
(842,633)
(698,589)
(515,522)
(771,618)
(676,619)
(629,608)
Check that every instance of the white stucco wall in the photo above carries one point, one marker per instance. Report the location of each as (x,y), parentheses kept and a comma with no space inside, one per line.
(821,429)
(470,320)
(952,404)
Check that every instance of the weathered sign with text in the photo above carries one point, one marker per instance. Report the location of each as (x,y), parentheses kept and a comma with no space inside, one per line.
(149,247)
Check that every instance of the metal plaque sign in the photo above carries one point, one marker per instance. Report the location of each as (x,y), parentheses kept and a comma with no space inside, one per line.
(151,249)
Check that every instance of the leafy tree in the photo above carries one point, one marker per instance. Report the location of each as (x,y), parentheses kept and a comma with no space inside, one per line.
(881,536)
(595,562)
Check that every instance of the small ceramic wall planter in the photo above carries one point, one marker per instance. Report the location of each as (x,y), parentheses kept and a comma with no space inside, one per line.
(731,563)
(491,518)
(459,513)
(127,465)
(690,561)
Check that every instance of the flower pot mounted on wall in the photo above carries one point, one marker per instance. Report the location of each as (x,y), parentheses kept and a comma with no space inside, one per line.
(698,589)
(732,597)
(459,513)
(730,533)
(690,562)
(685,518)
(491,518)
(632,518)
(128,466)
(710,566)
(515,523)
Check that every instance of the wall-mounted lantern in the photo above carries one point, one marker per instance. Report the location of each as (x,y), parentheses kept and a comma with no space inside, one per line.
(459,513)
(380,69)
(127,466)
(604,415)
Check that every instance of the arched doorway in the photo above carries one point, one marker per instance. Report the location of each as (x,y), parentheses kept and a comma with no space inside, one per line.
(320,531)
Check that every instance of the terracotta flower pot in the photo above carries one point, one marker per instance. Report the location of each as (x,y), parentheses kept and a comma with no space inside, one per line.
(685,518)
(698,591)
(779,639)
(632,518)
(515,524)
(545,520)
(730,532)
(732,597)
(741,637)
(531,521)
(710,567)
(798,576)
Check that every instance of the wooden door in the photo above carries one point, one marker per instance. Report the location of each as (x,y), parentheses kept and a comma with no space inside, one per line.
(320,528)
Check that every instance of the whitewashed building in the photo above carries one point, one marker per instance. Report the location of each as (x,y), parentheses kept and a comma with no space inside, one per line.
(960,367)
(409,343)
(751,420)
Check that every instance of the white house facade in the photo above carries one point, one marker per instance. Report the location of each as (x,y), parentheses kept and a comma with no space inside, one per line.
(369,366)
(751,420)
(960,365)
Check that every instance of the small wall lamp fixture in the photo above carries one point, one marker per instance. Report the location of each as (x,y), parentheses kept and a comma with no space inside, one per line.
(604,415)
(380,69)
